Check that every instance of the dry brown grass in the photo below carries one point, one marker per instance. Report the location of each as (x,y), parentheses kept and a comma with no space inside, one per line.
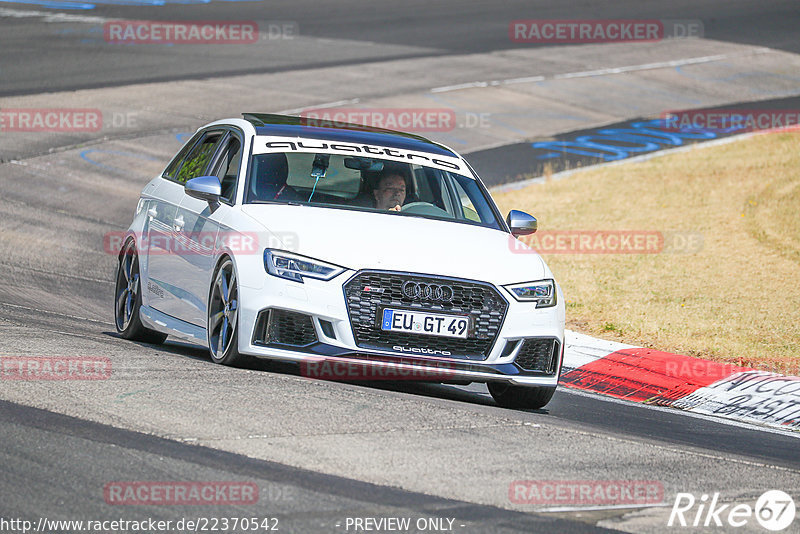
(737,299)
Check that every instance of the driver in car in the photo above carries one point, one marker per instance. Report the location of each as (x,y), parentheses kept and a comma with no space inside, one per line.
(390,191)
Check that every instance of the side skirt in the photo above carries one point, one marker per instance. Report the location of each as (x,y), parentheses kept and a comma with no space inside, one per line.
(161,322)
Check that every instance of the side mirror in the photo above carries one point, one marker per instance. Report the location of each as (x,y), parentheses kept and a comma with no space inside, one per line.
(205,188)
(521,223)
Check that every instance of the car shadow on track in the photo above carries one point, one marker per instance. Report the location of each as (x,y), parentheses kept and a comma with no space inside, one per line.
(472,394)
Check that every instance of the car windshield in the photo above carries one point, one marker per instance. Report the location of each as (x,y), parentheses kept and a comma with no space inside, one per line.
(365,183)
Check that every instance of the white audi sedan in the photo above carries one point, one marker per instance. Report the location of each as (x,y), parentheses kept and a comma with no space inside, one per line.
(361,254)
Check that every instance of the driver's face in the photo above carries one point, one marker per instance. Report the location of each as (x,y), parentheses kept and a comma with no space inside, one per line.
(391,192)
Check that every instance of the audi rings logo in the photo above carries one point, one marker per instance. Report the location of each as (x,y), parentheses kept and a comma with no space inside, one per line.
(420,291)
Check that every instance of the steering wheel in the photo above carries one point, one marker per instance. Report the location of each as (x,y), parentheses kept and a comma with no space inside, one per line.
(412,205)
(424,208)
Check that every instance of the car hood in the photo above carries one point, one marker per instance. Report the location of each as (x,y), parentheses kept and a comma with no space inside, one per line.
(370,240)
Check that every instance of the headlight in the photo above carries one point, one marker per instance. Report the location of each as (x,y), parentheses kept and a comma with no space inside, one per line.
(543,292)
(296,267)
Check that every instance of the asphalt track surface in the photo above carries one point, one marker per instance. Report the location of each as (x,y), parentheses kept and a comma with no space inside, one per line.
(333,34)
(619,142)
(65,444)
(320,452)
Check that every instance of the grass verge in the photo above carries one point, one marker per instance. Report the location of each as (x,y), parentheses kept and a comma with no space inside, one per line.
(736,299)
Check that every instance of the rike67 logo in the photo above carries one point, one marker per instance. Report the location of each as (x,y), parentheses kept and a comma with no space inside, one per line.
(774,510)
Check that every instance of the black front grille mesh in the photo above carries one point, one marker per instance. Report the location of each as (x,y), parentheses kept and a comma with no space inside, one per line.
(538,354)
(480,300)
(284,327)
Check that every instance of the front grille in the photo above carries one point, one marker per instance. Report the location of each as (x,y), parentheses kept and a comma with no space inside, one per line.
(538,354)
(480,300)
(282,327)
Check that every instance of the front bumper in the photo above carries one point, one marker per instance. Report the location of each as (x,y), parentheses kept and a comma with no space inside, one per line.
(326,346)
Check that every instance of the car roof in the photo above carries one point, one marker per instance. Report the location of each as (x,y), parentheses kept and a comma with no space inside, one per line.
(269,124)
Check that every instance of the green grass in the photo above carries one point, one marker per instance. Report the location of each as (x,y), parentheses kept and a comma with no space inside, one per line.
(735,299)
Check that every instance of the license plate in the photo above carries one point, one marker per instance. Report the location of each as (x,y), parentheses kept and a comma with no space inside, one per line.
(432,324)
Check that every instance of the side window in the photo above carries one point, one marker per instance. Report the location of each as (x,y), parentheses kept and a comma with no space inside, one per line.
(228,167)
(467,207)
(175,164)
(198,159)
(439,191)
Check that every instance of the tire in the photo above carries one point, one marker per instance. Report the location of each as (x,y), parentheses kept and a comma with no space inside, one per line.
(521,397)
(128,299)
(223,314)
